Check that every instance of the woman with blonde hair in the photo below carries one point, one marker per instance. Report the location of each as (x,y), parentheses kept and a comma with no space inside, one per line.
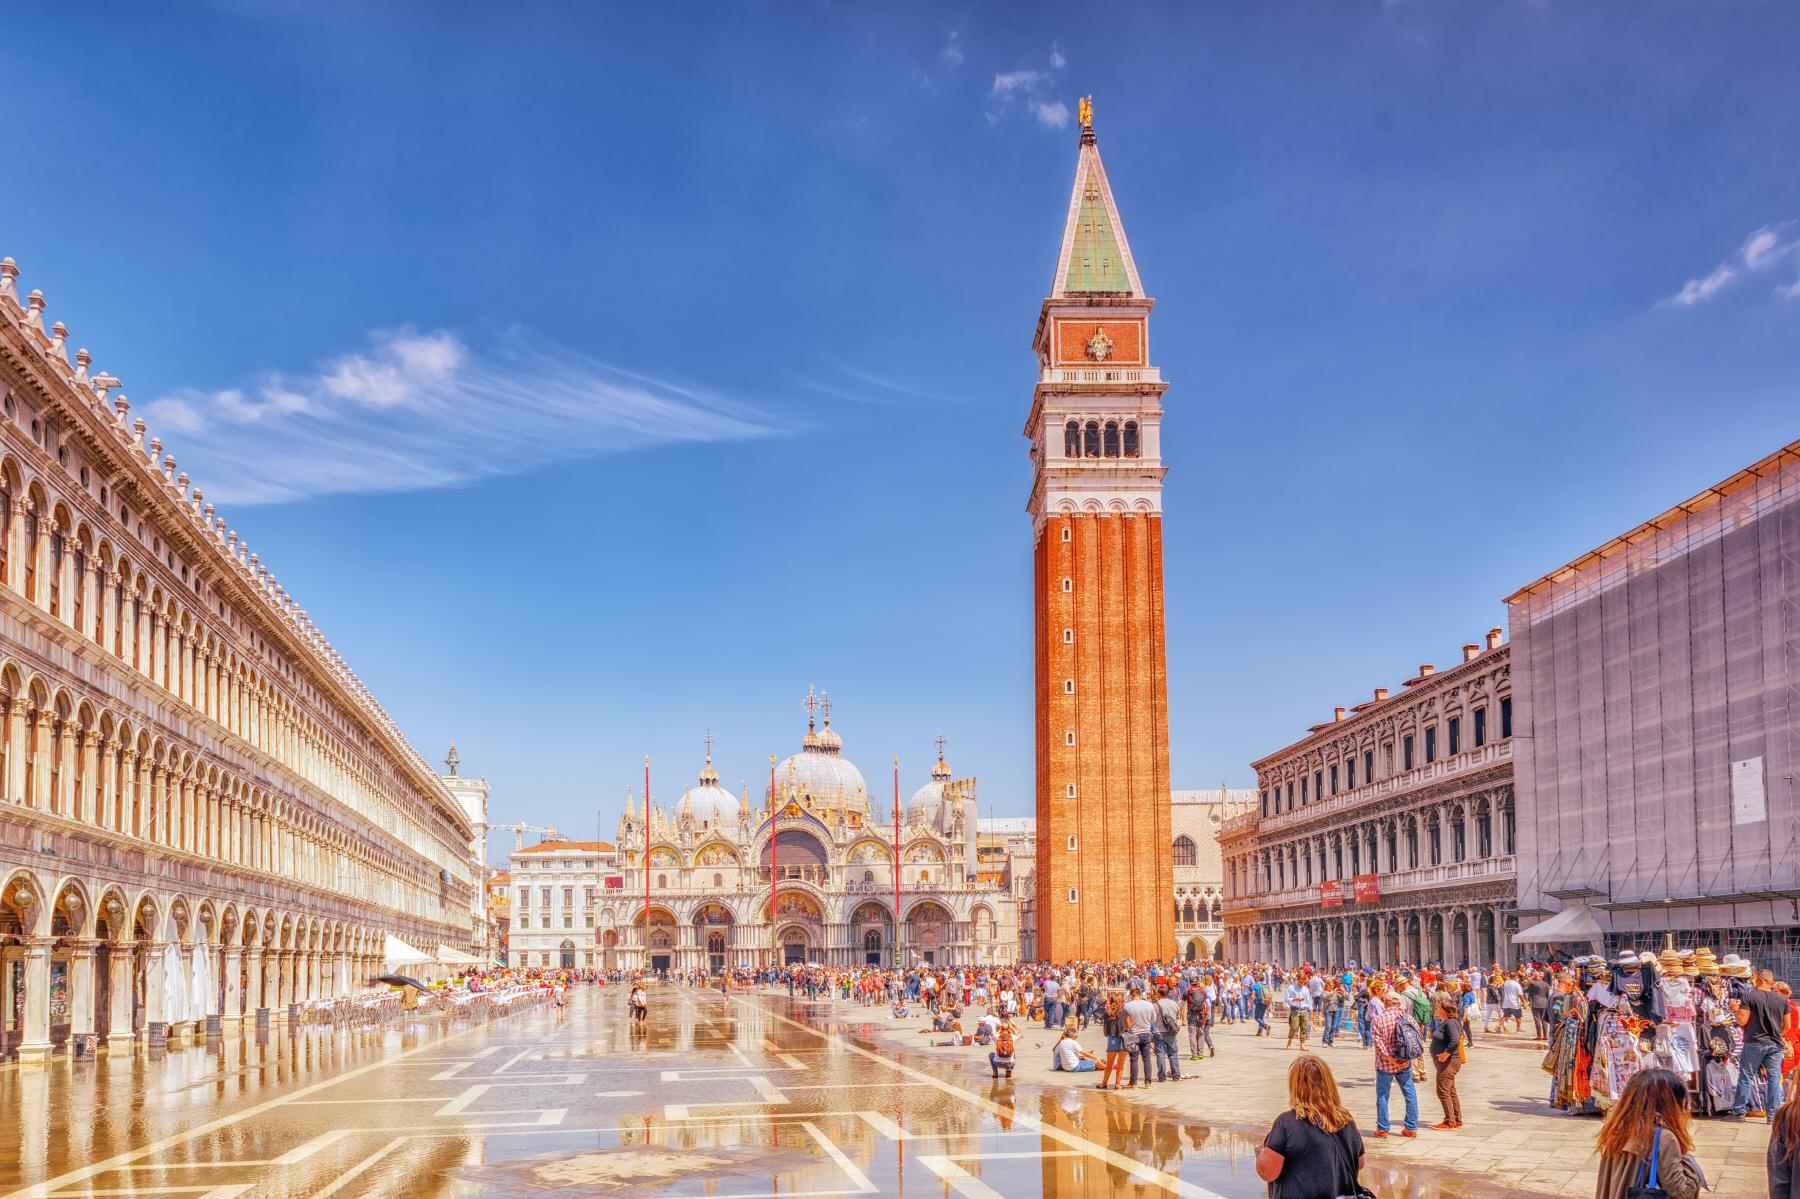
(1646,1142)
(1314,1150)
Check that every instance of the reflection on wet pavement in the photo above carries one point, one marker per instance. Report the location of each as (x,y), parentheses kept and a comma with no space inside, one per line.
(719,1096)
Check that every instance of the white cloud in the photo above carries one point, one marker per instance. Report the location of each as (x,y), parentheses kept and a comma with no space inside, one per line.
(1031,91)
(1762,250)
(1010,82)
(1057,61)
(1054,115)
(953,51)
(421,410)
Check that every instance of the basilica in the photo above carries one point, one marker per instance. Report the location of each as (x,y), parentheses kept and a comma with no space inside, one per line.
(819,848)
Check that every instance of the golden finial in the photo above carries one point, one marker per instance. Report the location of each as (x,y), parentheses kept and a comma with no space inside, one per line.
(1084,111)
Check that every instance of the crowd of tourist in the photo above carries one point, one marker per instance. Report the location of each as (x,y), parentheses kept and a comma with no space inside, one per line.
(1647,1041)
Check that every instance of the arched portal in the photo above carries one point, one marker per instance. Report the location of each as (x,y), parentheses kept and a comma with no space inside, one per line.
(567,955)
(796,942)
(928,933)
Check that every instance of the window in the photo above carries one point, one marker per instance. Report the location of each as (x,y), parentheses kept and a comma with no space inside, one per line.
(1431,744)
(1068,686)
(1318,784)
(1074,842)
(1131,439)
(1350,775)
(1068,636)
(1303,796)
(1290,795)
(1068,584)
(1072,440)
(568,921)
(590,921)
(1265,803)
(1112,439)
(1455,736)
(1068,533)
(1406,752)
(1506,717)
(718,880)
(662,880)
(1185,853)
(1369,766)
(1074,895)
(568,897)
(524,920)
(1480,727)
(544,897)
(1334,778)
(1069,791)
(1091,439)
(1069,737)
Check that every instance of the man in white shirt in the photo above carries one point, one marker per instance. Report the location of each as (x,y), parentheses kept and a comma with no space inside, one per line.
(1299,1000)
(1070,1056)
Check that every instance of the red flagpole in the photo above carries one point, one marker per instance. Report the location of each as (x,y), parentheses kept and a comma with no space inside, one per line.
(896,863)
(646,861)
(774,867)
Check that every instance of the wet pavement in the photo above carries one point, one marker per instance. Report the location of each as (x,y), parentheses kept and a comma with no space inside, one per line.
(752,1094)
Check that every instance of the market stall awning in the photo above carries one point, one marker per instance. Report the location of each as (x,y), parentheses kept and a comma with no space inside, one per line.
(399,953)
(456,957)
(1576,922)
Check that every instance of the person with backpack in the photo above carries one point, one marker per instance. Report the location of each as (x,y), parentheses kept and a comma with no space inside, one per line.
(1199,1022)
(1314,1150)
(1168,1037)
(1005,1043)
(1398,1046)
(1645,1143)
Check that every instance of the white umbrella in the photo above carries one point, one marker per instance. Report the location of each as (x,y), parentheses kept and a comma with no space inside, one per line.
(398,953)
(203,991)
(175,986)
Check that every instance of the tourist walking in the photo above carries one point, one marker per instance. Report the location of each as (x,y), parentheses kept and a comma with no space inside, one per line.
(1140,1034)
(1299,1000)
(1199,1022)
(1763,1015)
(1112,1023)
(1397,1042)
(1447,1060)
(1313,1150)
(1645,1140)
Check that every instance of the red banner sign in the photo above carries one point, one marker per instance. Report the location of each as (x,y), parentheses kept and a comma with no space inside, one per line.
(1368,890)
(615,882)
(1331,893)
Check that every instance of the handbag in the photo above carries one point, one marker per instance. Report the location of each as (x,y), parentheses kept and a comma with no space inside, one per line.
(1645,1185)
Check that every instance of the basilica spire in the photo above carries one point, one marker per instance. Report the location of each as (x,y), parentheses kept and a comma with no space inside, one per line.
(1095,259)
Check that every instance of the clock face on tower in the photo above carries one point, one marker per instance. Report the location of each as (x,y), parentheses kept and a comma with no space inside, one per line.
(1099,346)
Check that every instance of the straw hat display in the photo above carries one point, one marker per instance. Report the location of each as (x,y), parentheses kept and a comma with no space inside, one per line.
(1704,962)
(1669,962)
(1734,967)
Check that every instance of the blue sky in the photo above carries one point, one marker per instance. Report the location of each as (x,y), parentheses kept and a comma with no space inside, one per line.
(598,375)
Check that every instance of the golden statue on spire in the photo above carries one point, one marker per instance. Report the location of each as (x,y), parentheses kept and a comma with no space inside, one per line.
(1084,111)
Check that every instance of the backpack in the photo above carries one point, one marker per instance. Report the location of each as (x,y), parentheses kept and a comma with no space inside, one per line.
(1165,1022)
(1409,1042)
(1003,1042)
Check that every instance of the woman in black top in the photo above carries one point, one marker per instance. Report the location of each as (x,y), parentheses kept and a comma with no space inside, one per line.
(1314,1150)
(1113,1023)
(1446,1055)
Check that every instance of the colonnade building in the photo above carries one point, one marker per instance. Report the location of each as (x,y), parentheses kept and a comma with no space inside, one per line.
(202,810)
(1385,835)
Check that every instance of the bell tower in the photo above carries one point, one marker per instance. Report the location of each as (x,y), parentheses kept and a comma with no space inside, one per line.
(1105,876)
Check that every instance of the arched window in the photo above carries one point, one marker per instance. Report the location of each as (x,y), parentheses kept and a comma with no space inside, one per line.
(718,880)
(1072,440)
(662,880)
(1091,439)
(1185,853)
(31,550)
(1112,439)
(1131,439)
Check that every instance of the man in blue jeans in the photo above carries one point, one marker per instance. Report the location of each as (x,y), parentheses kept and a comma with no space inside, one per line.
(1140,1031)
(1762,1012)
(1390,1070)
(1052,1009)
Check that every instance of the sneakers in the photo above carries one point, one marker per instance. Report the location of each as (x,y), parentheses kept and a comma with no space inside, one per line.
(1379,1132)
(1445,1126)
(1408,1132)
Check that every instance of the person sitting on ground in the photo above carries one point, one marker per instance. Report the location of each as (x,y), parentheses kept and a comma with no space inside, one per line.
(1070,1056)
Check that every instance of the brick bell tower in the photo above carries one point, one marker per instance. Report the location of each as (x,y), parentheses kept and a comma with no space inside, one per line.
(1105,876)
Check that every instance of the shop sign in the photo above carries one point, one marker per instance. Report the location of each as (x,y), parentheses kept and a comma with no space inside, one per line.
(1367,889)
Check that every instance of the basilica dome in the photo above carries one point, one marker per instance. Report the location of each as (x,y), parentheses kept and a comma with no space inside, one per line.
(823,772)
(708,803)
(930,804)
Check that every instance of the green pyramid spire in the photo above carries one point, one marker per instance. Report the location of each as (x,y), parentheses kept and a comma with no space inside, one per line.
(1095,263)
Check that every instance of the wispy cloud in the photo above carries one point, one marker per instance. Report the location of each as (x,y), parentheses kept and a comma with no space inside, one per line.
(953,51)
(859,386)
(1762,251)
(421,410)
(1031,91)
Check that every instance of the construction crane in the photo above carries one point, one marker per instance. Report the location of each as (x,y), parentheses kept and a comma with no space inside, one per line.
(519,830)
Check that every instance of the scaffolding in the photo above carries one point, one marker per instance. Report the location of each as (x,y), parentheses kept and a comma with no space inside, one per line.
(1657,687)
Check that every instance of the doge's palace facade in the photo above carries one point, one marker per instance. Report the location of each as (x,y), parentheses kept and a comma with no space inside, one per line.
(202,810)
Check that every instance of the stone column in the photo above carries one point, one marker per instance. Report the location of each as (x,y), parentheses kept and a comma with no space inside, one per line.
(34,1047)
(81,988)
(234,997)
(119,1032)
(253,980)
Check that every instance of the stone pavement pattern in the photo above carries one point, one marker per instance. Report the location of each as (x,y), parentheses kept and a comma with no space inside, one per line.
(1512,1139)
(730,1097)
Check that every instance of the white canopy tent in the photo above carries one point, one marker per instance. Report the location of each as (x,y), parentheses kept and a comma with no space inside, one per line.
(398,953)
(1575,923)
(455,957)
